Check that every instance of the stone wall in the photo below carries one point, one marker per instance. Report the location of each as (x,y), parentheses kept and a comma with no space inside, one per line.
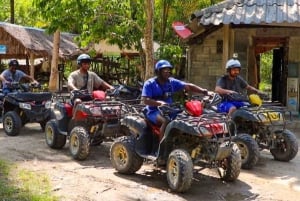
(205,63)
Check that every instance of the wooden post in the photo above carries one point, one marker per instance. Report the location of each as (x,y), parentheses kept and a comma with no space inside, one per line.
(226,45)
(31,67)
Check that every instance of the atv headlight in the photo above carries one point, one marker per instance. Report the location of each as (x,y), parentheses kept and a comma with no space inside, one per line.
(25,106)
(96,111)
(204,131)
(48,105)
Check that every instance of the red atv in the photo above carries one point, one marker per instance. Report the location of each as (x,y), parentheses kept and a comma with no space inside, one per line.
(86,120)
(189,140)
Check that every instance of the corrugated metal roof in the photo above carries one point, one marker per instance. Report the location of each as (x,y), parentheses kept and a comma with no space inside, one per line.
(250,12)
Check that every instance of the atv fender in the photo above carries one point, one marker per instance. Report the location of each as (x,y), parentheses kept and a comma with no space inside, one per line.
(243,114)
(180,125)
(136,124)
(144,137)
(165,146)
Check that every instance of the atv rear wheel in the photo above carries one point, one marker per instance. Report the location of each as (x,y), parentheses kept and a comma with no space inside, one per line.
(249,150)
(79,143)
(12,123)
(179,170)
(53,138)
(123,156)
(286,146)
(231,166)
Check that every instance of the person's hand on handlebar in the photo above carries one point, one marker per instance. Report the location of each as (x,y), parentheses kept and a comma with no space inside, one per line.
(161,103)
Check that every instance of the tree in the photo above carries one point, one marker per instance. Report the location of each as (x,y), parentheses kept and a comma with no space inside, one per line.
(60,15)
(149,7)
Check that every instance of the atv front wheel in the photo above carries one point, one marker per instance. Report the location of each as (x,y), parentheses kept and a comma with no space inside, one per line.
(79,143)
(12,123)
(53,138)
(43,124)
(249,150)
(286,147)
(123,156)
(231,166)
(179,170)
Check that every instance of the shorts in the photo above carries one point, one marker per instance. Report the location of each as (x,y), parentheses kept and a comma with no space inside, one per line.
(226,105)
(152,116)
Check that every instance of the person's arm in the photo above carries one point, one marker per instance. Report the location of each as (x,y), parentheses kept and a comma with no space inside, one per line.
(148,97)
(222,91)
(152,102)
(71,84)
(106,86)
(253,89)
(31,79)
(2,78)
(194,88)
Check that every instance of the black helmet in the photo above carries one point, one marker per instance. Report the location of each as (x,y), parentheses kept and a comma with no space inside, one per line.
(83,58)
(13,62)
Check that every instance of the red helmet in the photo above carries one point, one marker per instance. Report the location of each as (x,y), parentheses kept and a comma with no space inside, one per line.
(99,95)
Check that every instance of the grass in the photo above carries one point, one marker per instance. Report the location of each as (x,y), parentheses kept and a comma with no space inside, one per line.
(23,185)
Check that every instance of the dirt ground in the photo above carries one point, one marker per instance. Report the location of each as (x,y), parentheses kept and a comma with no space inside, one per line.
(94,179)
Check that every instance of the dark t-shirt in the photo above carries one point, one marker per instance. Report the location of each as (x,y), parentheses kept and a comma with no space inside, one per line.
(238,84)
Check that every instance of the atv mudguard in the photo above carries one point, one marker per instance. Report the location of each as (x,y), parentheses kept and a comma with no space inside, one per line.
(165,147)
(242,114)
(65,115)
(145,139)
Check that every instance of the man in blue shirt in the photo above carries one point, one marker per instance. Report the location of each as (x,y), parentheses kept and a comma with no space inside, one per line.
(13,75)
(159,90)
(230,84)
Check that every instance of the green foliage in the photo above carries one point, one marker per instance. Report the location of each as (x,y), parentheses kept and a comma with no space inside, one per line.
(266,71)
(23,185)
(172,53)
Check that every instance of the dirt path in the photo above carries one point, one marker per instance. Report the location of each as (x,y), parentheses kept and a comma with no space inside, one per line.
(94,179)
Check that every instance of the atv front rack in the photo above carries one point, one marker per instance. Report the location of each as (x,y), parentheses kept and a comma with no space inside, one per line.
(271,115)
(102,109)
(209,125)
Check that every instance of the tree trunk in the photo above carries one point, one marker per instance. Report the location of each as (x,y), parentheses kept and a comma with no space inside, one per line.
(148,34)
(12,11)
(53,82)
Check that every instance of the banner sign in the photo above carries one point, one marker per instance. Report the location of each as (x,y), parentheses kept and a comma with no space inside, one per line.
(2,49)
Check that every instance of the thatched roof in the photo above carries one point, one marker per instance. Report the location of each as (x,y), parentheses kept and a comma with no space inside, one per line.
(22,41)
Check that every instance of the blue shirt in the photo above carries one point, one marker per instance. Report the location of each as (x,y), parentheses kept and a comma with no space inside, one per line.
(12,77)
(152,89)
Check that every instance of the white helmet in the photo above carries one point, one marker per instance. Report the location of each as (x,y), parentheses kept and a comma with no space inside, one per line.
(233,63)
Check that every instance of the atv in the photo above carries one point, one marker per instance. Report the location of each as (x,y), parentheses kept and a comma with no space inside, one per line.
(25,105)
(188,141)
(248,146)
(87,119)
(267,125)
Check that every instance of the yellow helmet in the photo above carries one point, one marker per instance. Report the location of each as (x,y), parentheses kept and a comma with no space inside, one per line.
(255,100)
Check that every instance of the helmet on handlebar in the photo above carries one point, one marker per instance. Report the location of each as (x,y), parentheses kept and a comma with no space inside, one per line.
(194,108)
(13,62)
(83,58)
(254,99)
(162,64)
(233,63)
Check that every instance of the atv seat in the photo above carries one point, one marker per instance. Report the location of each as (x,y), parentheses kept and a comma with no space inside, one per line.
(30,96)
(2,96)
